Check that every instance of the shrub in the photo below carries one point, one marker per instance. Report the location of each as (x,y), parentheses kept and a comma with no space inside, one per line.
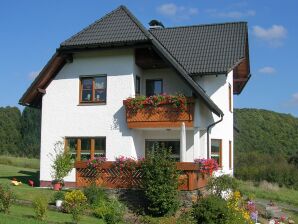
(40,206)
(75,203)
(94,195)
(221,185)
(160,182)
(112,211)
(62,162)
(59,195)
(211,210)
(6,197)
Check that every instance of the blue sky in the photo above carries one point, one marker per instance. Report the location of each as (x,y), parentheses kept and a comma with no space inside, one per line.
(31,31)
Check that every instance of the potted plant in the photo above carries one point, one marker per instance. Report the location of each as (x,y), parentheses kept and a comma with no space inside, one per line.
(62,164)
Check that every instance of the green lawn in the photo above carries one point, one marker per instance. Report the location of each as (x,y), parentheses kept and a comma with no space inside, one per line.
(25,215)
(280,194)
(19,161)
(24,191)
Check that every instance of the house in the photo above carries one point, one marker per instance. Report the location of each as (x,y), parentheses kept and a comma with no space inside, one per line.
(82,91)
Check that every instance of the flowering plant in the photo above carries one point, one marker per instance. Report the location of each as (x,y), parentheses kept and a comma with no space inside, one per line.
(239,212)
(207,166)
(177,101)
(128,163)
(93,163)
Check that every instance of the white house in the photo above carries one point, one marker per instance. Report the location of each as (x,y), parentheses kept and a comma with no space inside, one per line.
(82,88)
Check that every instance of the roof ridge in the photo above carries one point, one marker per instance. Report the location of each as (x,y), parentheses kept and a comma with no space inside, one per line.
(135,21)
(200,25)
(95,22)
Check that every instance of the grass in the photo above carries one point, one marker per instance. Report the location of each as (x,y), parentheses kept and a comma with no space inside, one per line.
(270,192)
(20,162)
(25,215)
(24,191)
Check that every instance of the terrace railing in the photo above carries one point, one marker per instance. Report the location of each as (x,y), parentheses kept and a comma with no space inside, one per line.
(109,175)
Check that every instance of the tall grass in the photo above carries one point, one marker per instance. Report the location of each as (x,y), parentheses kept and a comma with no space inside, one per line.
(20,162)
(269,191)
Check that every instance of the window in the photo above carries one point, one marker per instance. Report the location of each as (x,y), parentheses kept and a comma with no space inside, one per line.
(154,87)
(174,145)
(230,98)
(230,155)
(216,150)
(138,85)
(93,89)
(86,148)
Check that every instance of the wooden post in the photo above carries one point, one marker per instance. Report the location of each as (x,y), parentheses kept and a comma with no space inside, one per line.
(78,149)
(92,148)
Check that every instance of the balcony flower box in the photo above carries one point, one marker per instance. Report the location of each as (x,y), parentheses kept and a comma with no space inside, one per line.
(161,111)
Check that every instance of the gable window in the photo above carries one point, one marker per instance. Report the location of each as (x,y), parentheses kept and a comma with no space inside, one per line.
(138,85)
(173,145)
(154,87)
(230,98)
(216,151)
(93,89)
(86,148)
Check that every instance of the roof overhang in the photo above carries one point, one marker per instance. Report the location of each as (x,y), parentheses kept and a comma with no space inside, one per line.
(33,96)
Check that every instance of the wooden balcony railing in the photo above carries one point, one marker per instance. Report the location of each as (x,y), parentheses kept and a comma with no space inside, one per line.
(110,176)
(161,116)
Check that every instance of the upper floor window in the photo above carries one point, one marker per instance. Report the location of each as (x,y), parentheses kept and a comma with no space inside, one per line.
(93,89)
(138,85)
(154,87)
(216,151)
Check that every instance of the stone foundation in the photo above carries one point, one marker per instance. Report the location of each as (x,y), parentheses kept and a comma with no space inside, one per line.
(45,183)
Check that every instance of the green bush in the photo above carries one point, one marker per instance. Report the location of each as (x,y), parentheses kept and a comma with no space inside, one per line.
(6,197)
(75,203)
(112,211)
(224,183)
(40,206)
(160,182)
(211,210)
(95,195)
(62,162)
(59,195)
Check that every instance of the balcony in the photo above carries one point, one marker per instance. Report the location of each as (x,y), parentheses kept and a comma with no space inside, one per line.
(165,111)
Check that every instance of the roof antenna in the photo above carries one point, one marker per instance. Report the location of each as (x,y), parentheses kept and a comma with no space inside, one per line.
(155,24)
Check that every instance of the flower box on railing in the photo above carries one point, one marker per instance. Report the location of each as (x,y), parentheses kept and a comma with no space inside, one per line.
(159,111)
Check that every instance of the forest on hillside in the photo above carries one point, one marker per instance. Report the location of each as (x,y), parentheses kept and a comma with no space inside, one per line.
(20,131)
(266,146)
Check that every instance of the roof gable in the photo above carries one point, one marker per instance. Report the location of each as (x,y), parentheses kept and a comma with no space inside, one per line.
(115,28)
(205,49)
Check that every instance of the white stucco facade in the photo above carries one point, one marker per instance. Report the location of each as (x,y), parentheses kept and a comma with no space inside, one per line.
(62,116)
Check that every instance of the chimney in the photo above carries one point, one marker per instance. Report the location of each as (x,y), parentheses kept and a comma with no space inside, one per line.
(155,24)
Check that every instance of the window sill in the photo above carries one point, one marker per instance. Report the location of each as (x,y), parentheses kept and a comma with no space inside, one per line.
(92,104)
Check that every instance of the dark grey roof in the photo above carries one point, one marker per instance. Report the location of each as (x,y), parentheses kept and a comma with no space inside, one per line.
(205,49)
(115,28)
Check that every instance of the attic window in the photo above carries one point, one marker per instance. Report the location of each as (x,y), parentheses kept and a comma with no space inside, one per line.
(93,89)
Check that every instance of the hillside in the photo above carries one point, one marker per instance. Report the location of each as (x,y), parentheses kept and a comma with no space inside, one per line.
(266,147)
(266,131)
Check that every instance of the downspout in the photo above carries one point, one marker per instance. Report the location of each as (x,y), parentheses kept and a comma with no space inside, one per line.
(208,128)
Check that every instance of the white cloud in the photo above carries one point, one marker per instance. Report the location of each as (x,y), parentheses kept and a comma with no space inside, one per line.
(273,35)
(267,70)
(33,75)
(293,102)
(176,12)
(231,14)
